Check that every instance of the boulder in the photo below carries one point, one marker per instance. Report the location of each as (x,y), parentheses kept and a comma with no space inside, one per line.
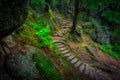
(21,66)
(12,15)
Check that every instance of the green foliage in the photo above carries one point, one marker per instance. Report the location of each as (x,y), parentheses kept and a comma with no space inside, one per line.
(112,16)
(75,38)
(43,32)
(47,68)
(116,47)
(108,9)
(90,51)
(94,22)
(105,27)
(56,2)
(67,1)
(51,14)
(38,2)
(116,39)
(93,7)
(108,49)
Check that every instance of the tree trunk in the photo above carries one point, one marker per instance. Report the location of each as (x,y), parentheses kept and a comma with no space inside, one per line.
(73,29)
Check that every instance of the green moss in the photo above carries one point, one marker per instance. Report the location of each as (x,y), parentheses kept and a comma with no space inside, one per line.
(108,49)
(104,68)
(75,38)
(41,25)
(116,40)
(90,51)
(44,35)
(47,68)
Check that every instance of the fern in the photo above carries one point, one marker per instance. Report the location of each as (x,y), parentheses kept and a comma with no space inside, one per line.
(44,35)
(43,32)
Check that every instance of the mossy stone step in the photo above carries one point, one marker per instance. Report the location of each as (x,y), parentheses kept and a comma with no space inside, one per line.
(73,61)
(67,55)
(60,46)
(96,75)
(81,68)
(71,57)
(91,74)
(77,64)
(66,51)
(87,69)
(57,44)
(66,26)
(57,35)
(58,41)
(63,48)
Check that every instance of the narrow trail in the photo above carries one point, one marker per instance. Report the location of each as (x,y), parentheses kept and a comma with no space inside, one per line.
(83,68)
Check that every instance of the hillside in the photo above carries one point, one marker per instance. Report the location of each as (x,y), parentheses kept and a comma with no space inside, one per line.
(85,49)
(46,47)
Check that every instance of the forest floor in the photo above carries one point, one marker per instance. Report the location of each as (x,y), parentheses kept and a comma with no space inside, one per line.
(89,52)
(86,50)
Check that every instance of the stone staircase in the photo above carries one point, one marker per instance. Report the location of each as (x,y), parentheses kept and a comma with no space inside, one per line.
(83,68)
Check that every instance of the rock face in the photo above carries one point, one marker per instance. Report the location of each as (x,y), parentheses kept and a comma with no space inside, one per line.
(98,33)
(103,36)
(12,15)
(21,66)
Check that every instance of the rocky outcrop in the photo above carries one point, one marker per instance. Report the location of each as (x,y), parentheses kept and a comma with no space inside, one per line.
(100,33)
(12,15)
(21,66)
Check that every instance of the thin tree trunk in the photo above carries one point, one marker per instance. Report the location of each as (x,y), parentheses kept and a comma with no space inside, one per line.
(73,29)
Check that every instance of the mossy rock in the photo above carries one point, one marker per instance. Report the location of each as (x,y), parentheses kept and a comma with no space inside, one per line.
(12,15)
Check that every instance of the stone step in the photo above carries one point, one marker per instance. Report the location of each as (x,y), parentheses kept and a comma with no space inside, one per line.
(60,46)
(66,26)
(57,44)
(63,48)
(73,61)
(91,74)
(66,51)
(71,57)
(67,54)
(104,76)
(95,74)
(77,64)
(58,41)
(81,68)
(58,35)
(87,69)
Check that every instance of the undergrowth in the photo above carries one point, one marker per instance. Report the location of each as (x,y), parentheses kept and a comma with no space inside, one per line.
(43,32)
(108,49)
(47,68)
(41,27)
